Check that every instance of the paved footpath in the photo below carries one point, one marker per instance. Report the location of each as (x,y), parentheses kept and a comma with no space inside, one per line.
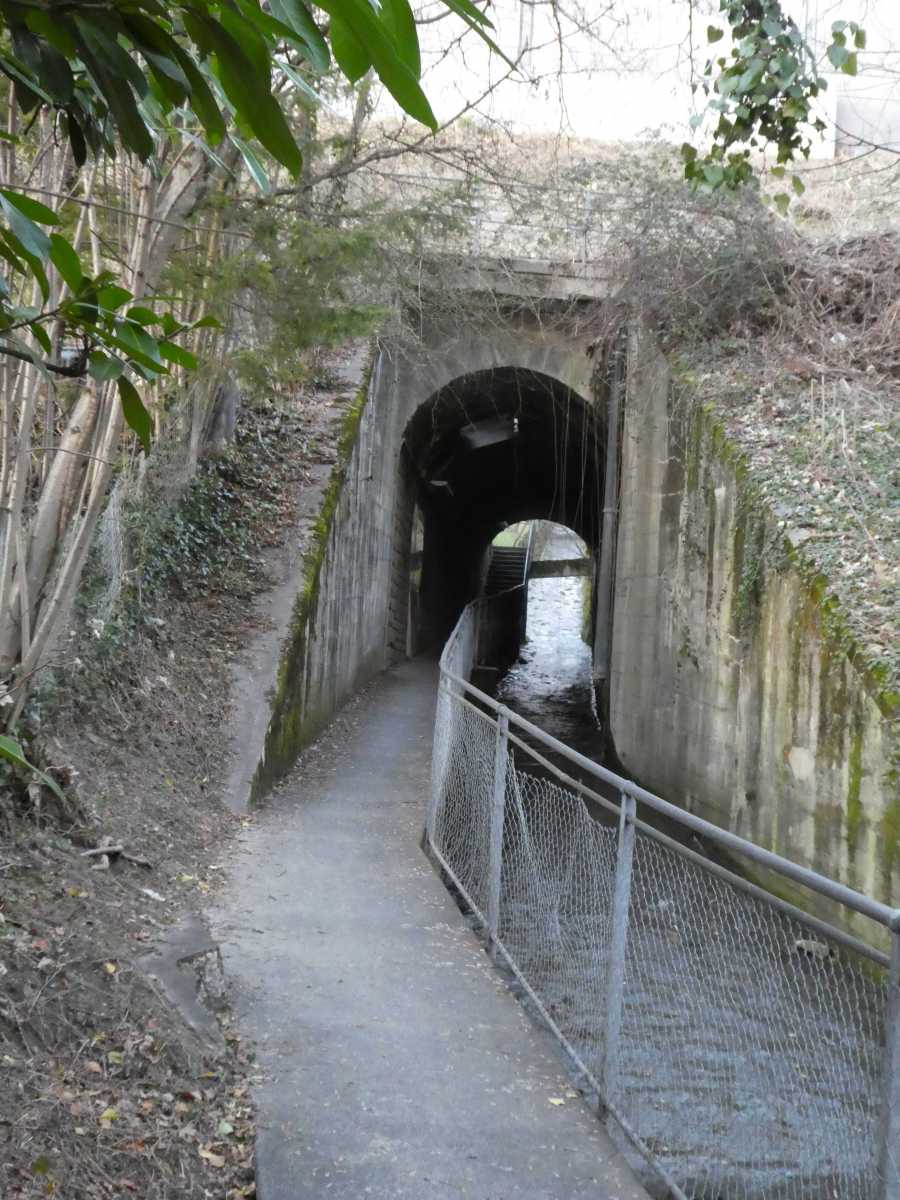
(398,1066)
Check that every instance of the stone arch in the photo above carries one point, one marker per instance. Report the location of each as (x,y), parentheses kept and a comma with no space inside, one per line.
(488,446)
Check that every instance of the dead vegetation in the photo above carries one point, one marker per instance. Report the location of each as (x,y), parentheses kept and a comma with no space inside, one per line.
(105,1090)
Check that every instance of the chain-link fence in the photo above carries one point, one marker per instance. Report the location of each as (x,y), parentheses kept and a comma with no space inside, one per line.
(747,1049)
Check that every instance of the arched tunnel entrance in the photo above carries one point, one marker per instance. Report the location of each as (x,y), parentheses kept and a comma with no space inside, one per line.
(489,449)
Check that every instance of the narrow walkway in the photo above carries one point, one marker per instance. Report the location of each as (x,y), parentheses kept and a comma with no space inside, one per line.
(397,1064)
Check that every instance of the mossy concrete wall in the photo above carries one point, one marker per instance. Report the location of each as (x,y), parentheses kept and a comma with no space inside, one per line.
(337,637)
(349,619)
(735,690)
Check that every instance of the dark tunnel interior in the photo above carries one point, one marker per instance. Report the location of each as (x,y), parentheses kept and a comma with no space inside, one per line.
(489,449)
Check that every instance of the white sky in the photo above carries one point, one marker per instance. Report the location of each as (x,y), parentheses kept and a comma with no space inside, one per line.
(629,76)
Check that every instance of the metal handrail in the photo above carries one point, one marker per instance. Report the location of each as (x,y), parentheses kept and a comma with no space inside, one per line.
(510,729)
(857,902)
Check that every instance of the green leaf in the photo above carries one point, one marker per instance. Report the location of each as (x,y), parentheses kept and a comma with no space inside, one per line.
(178,354)
(252,97)
(207,322)
(254,166)
(851,65)
(33,240)
(115,89)
(402,25)
(798,185)
(40,336)
(713,34)
(298,17)
(350,55)
(31,208)
(104,367)
(66,261)
(782,202)
(688,152)
(134,412)
(377,45)
(112,297)
(136,339)
(837,55)
(143,316)
(859,39)
(202,101)
(12,752)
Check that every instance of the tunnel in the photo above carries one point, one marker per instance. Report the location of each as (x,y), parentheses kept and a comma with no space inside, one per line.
(488,449)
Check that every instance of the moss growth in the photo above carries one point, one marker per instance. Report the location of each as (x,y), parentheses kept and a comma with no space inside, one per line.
(889,835)
(292,723)
(694,451)
(854,809)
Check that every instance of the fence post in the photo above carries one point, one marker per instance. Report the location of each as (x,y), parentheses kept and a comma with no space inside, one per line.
(498,811)
(615,974)
(889,1131)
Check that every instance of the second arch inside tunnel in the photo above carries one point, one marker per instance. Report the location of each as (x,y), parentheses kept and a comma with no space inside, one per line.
(488,449)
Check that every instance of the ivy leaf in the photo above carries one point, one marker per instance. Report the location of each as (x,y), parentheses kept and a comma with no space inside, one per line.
(134,411)
(714,34)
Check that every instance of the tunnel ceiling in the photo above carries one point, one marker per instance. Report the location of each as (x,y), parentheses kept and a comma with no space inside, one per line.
(506,445)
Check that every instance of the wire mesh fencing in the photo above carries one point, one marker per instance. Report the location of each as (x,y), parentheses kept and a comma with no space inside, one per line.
(745,1048)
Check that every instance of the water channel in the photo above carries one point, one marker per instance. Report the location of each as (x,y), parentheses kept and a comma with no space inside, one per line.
(749,1065)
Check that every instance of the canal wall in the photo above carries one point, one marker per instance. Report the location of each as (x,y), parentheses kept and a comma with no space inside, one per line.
(736,690)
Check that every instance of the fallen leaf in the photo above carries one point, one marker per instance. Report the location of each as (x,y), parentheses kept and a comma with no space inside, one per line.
(224,1128)
(557,1101)
(116,1057)
(41,1166)
(93,1067)
(108,1116)
(111,968)
(214,1160)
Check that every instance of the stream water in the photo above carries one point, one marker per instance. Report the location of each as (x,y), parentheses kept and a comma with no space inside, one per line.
(750,1068)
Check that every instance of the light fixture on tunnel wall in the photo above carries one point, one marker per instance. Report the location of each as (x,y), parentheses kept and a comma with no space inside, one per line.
(480,434)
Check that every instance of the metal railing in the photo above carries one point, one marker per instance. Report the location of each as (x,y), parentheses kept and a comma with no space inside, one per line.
(744,1047)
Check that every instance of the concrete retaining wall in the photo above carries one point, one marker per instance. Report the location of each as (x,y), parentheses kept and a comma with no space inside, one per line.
(733,686)
(350,615)
(338,638)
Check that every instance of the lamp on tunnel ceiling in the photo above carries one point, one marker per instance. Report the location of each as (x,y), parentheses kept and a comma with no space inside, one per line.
(480,434)
(477,435)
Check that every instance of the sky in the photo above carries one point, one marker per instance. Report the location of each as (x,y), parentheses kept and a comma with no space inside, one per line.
(624,71)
